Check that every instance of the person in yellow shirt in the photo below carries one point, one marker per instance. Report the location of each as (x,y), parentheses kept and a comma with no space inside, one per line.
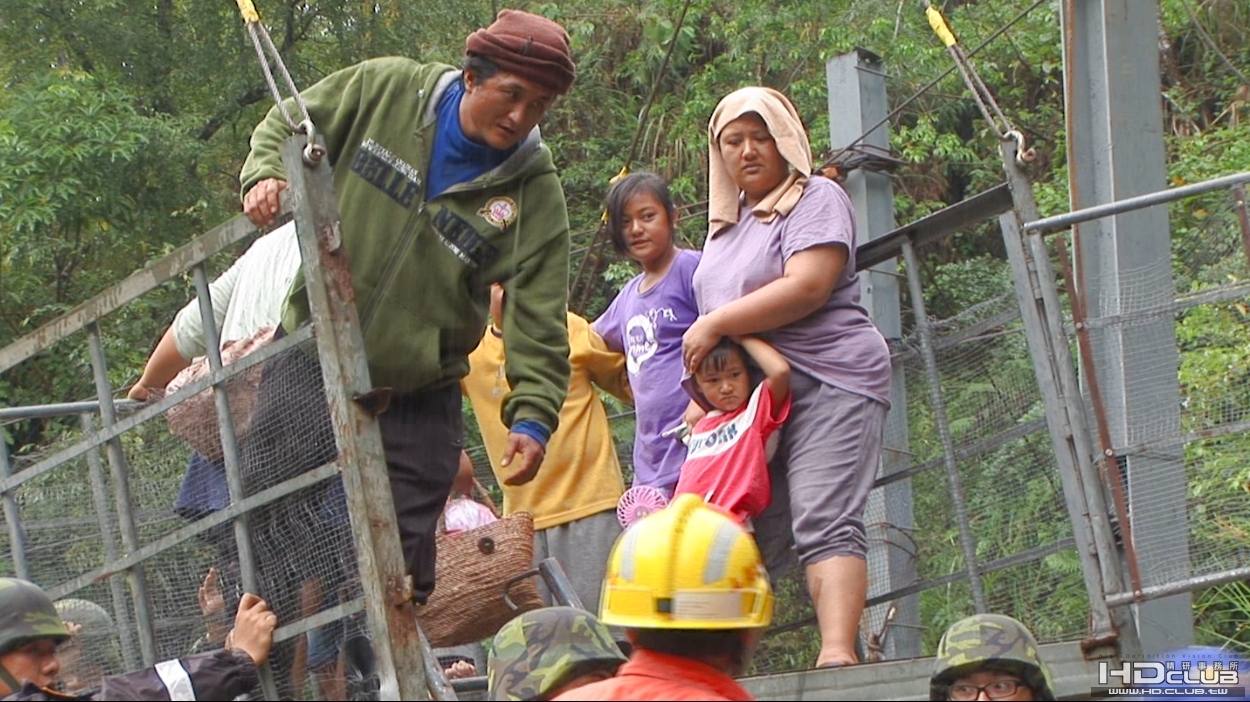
(574,497)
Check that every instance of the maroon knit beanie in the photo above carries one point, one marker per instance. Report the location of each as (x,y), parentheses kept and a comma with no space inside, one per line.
(528,45)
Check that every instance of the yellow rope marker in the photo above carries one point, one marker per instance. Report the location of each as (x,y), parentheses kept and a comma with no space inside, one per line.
(248,10)
(612,181)
(936,20)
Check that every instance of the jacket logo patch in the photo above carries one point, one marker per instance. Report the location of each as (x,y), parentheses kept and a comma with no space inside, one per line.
(463,240)
(387,172)
(499,211)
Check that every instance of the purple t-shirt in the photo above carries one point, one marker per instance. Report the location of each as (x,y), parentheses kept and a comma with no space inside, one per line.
(647,327)
(837,344)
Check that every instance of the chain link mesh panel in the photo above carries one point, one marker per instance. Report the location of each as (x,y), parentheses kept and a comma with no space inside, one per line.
(304,558)
(1189,417)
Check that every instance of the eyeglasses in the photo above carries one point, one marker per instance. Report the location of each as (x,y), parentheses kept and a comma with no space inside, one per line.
(997,690)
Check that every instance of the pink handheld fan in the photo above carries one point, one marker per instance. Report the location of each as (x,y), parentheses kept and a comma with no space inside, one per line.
(638,502)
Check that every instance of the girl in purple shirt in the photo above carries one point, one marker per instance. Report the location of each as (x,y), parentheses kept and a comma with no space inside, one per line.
(647,319)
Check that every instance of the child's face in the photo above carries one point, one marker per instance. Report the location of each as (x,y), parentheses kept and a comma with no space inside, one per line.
(728,387)
(644,224)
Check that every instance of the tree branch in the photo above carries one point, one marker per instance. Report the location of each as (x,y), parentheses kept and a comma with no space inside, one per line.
(242,100)
(1206,38)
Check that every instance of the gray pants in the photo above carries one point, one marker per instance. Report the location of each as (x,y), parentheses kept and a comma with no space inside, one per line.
(824,469)
(582,546)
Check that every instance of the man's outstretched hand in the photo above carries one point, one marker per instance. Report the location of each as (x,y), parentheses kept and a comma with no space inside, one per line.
(524,455)
(253,629)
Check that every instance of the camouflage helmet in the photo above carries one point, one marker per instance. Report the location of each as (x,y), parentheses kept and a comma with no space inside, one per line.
(989,642)
(97,637)
(536,653)
(27,614)
(94,619)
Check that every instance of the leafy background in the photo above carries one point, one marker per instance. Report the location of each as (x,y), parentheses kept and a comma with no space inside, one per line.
(123,126)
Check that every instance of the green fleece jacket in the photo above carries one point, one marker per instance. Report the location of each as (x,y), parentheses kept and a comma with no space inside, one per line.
(422,269)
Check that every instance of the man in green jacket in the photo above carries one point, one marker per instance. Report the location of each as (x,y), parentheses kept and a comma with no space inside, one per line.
(444,186)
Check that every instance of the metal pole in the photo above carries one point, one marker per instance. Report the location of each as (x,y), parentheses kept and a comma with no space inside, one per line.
(384,580)
(1197,582)
(121,489)
(1117,159)
(13,519)
(99,495)
(61,409)
(1066,220)
(1243,218)
(1108,466)
(857,100)
(230,454)
(440,687)
(1050,352)
(558,583)
(925,332)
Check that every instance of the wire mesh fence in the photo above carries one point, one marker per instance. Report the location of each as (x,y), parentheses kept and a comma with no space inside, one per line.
(123,512)
(130,526)
(1169,344)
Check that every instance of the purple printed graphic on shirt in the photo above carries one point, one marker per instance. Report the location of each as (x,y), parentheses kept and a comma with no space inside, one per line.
(837,344)
(647,327)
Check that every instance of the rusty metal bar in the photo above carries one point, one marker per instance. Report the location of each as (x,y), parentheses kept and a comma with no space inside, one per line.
(1065,410)
(386,585)
(1243,218)
(138,284)
(117,591)
(440,687)
(13,517)
(925,332)
(1160,197)
(1107,464)
(121,489)
(230,453)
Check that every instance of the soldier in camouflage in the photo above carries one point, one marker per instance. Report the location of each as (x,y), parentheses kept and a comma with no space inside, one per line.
(93,652)
(30,631)
(547,651)
(989,656)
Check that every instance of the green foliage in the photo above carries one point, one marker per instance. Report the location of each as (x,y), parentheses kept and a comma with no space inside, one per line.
(123,127)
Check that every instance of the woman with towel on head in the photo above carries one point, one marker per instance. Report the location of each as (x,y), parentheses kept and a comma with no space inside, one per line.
(779,262)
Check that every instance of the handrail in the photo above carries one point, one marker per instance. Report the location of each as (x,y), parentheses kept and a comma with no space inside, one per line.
(1066,220)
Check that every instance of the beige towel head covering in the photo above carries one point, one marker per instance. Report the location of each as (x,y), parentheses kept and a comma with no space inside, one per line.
(787,129)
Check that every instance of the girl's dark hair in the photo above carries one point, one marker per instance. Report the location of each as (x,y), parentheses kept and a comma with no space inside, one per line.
(719,356)
(641,183)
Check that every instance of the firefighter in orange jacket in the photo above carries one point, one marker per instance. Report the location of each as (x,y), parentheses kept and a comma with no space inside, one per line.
(688,585)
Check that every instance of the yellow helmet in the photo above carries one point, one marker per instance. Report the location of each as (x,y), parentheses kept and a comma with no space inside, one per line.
(687,566)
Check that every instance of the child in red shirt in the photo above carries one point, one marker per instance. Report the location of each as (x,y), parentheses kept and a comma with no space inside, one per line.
(727,459)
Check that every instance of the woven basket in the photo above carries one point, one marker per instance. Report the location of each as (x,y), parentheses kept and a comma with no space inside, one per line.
(195,419)
(480,582)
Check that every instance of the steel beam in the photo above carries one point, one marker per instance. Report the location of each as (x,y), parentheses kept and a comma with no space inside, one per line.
(384,580)
(1116,152)
(857,100)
